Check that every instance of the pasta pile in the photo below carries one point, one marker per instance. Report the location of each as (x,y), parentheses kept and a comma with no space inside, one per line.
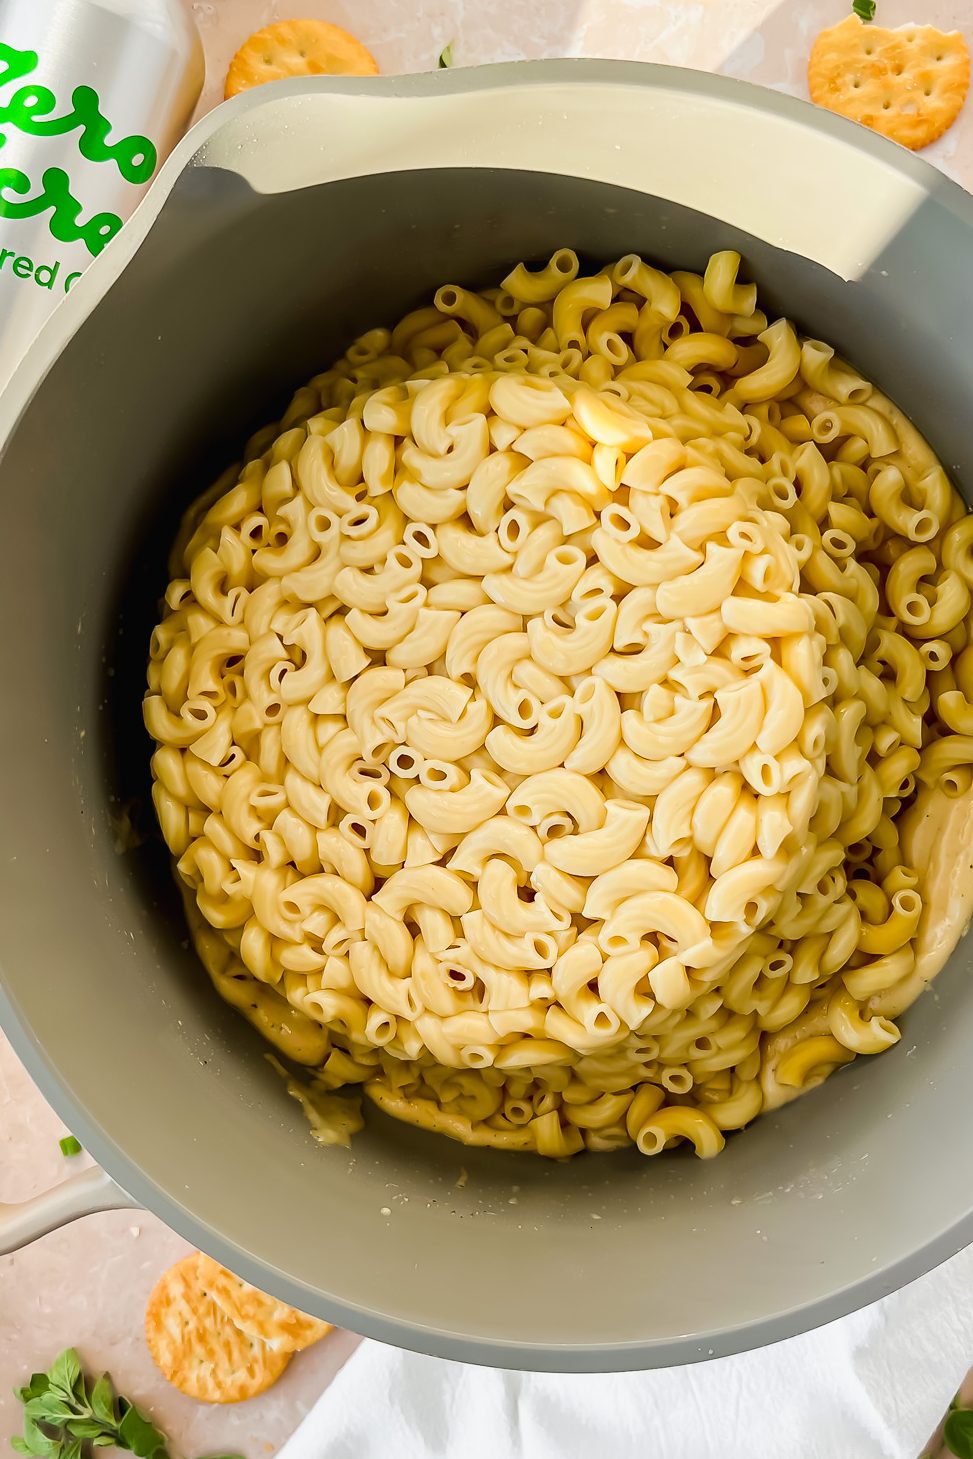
(536,707)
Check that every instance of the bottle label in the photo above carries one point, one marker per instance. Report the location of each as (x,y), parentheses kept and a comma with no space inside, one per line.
(29,110)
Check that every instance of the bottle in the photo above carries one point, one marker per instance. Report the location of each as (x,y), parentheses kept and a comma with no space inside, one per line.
(93,96)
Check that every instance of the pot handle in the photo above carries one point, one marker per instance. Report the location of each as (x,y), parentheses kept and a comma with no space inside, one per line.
(81,1195)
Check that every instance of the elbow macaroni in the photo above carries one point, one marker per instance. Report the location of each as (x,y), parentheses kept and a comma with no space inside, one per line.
(535,714)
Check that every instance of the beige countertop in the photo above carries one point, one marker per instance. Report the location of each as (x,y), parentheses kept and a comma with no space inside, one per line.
(87,1285)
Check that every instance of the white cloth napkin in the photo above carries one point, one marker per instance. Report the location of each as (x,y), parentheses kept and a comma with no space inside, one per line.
(870,1386)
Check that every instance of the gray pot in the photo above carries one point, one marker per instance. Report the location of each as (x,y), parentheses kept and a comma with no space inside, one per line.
(286,223)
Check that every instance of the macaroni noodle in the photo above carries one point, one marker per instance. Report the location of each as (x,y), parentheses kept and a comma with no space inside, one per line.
(537,709)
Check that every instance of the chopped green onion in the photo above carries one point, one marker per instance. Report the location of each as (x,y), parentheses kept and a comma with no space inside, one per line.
(70,1146)
(446,54)
(864,9)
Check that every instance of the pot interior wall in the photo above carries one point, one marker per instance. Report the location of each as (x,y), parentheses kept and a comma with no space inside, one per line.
(232,301)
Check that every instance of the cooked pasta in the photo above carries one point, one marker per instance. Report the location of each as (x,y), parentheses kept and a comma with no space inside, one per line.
(538,706)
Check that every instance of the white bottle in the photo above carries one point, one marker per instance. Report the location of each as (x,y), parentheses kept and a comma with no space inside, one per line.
(93,96)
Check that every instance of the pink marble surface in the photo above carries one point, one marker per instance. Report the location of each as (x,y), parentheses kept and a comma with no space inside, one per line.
(87,1285)
(765,41)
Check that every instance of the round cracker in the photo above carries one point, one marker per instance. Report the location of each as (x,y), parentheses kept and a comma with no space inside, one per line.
(908,84)
(284,1329)
(198,1349)
(297,48)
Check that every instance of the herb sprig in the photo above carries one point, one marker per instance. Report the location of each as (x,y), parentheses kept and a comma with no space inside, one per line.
(63,1421)
(959,1433)
(864,9)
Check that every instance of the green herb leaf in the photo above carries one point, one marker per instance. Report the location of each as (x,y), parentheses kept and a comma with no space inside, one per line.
(138,1433)
(446,57)
(50,1408)
(39,1383)
(86,1428)
(959,1433)
(65,1371)
(864,9)
(61,1423)
(103,1401)
(38,1444)
(70,1146)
